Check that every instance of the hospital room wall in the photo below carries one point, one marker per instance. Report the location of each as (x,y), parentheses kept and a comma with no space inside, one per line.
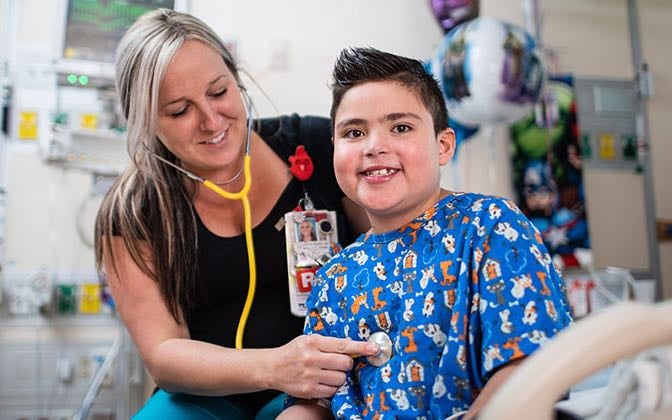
(42,201)
(592,39)
(289,48)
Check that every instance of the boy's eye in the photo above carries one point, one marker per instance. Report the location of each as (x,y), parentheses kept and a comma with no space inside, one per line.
(353,134)
(401,128)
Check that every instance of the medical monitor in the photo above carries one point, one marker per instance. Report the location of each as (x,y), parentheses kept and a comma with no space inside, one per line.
(92,30)
(94,27)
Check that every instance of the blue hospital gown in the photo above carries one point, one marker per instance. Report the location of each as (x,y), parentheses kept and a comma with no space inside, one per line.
(463,289)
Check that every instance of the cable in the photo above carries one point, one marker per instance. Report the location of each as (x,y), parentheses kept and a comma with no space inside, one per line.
(97,381)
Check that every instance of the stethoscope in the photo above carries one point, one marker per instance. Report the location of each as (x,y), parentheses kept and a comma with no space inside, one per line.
(380,338)
(241,195)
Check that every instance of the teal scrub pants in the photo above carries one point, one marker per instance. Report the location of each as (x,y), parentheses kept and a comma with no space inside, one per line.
(165,406)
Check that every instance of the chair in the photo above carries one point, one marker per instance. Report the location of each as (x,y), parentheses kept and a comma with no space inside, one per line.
(591,344)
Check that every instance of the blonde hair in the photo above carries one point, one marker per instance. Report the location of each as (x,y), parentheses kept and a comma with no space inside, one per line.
(150,203)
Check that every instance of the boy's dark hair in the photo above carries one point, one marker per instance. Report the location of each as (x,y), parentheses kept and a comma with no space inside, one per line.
(355,66)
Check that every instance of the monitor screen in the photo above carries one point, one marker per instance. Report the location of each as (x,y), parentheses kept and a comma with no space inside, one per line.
(94,27)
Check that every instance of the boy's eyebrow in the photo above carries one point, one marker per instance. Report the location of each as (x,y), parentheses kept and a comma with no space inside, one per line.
(399,115)
(389,117)
(349,121)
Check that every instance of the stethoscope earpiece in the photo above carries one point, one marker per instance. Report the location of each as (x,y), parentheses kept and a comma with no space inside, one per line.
(248,104)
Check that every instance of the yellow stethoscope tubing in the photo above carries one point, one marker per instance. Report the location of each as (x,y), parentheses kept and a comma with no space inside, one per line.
(251,260)
(241,195)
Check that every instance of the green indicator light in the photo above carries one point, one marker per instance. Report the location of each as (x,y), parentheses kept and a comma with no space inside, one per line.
(72,78)
(586,146)
(83,80)
(629,147)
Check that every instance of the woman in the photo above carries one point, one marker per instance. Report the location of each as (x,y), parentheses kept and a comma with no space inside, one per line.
(173,251)
(307,232)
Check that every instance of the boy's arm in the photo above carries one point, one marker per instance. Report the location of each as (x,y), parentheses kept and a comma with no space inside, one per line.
(307,410)
(491,388)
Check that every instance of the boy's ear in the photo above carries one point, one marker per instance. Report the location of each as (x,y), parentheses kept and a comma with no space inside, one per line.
(446,140)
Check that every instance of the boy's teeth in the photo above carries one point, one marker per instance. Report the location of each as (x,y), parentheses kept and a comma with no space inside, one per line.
(380,172)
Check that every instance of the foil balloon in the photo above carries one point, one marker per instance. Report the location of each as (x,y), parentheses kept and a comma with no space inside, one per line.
(534,136)
(462,132)
(450,13)
(490,72)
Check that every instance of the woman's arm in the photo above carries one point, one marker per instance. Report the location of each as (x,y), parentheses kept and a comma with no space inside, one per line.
(308,366)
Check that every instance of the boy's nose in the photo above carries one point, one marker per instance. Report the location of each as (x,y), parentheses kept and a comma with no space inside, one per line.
(376,144)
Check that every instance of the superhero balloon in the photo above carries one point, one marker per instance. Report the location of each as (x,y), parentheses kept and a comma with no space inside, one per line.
(450,13)
(490,72)
(462,132)
(534,137)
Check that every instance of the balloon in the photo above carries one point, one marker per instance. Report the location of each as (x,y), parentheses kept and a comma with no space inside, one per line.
(462,133)
(450,13)
(540,191)
(533,137)
(490,72)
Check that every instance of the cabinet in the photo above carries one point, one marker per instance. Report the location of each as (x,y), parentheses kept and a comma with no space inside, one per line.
(47,365)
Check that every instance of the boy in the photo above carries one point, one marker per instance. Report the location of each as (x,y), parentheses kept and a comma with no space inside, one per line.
(460,282)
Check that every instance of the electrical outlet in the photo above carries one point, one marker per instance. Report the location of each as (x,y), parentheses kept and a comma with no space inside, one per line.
(65,369)
(279,60)
(84,368)
(108,379)
(664,230)
(97,360)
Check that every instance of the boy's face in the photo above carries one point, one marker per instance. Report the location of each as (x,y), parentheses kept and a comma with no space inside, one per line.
(386,155)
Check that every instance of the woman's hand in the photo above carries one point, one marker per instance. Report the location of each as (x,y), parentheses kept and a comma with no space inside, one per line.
(314,366)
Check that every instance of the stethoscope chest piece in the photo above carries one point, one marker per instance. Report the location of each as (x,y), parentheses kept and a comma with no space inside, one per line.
(382,340)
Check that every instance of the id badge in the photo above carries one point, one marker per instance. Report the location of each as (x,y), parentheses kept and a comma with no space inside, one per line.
(312,238)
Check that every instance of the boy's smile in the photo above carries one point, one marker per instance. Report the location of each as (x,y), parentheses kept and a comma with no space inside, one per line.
(386,155)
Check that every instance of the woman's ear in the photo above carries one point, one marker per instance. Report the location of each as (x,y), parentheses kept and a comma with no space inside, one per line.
(446,141)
